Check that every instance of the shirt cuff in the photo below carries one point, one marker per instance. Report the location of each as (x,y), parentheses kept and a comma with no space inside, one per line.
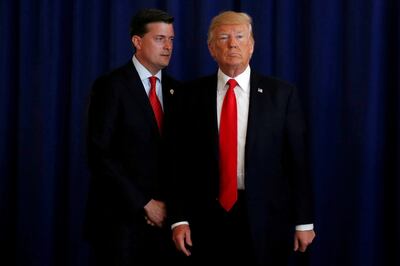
(304,227)
(179,223)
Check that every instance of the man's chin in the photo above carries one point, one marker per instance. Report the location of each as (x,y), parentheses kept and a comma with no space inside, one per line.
(163,65)
(234,63)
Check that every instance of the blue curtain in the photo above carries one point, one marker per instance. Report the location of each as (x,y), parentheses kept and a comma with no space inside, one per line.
(344,57)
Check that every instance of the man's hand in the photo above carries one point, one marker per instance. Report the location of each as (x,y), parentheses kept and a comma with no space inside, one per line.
(156,212)
(302,239)
(182,239)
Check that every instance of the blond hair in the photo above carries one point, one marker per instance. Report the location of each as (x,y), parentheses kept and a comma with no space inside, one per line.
(229,18)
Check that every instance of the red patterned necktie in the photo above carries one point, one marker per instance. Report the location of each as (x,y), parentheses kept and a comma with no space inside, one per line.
(228,149)
(155,102)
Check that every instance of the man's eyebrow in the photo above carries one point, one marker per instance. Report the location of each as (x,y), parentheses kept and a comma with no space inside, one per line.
(228,33)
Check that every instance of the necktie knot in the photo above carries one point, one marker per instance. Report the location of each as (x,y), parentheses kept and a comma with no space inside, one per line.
(153,81)
(232,84)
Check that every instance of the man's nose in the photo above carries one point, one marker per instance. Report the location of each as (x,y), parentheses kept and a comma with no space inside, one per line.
(232,42)
(168,44)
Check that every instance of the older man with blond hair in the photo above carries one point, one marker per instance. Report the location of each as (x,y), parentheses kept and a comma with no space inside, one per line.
(244,194)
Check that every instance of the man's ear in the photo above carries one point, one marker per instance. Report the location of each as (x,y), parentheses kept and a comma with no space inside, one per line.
(211,50)
(252,48)
(137,42)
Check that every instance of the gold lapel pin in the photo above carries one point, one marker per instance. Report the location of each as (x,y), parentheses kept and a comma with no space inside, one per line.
(171,91)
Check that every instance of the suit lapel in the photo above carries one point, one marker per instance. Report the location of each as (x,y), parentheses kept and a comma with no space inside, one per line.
(168,92)
(139,95)
(211,105)
(257,104)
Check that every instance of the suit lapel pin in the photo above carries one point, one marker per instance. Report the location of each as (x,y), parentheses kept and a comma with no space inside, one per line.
(171,91)
(260,90)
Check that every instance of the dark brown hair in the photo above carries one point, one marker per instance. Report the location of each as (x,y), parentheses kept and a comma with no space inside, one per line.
(140,20)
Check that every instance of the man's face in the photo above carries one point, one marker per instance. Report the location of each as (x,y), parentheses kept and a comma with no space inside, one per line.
(232,46)
(154,49)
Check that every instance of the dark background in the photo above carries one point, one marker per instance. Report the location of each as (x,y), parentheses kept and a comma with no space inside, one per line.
(342,55)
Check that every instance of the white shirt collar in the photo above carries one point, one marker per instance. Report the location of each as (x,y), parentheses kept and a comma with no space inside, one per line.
(243,79)
(144,74)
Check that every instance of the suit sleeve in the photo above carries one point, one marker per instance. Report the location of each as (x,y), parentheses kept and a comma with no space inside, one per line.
(178,193)
(106,167)
(298,160)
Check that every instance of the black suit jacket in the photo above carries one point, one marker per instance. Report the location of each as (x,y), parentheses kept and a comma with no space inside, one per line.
(128,157)
(277,182)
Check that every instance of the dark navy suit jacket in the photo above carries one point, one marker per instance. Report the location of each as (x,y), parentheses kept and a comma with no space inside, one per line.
(277,183)
(128,157)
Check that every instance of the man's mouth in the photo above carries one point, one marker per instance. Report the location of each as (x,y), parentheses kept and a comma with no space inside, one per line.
(234,55)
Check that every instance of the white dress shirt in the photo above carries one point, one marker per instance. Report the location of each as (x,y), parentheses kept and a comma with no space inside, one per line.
(144,75)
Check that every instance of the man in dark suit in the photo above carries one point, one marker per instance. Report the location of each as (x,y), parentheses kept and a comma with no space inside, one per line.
(129,120)
(242,194)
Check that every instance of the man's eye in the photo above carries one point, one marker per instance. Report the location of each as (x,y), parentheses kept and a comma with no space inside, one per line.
(159,39)
(223,38)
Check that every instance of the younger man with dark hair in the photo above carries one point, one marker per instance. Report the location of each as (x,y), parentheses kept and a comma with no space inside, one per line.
(128,122)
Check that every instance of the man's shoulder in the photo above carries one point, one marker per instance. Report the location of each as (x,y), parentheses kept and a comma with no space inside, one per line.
(170,80)
(123,71)
(116,75)
(272,81)
(118,72)
(272,84)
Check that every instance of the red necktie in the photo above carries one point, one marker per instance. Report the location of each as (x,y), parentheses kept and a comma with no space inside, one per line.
(155,102)
(228,149)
